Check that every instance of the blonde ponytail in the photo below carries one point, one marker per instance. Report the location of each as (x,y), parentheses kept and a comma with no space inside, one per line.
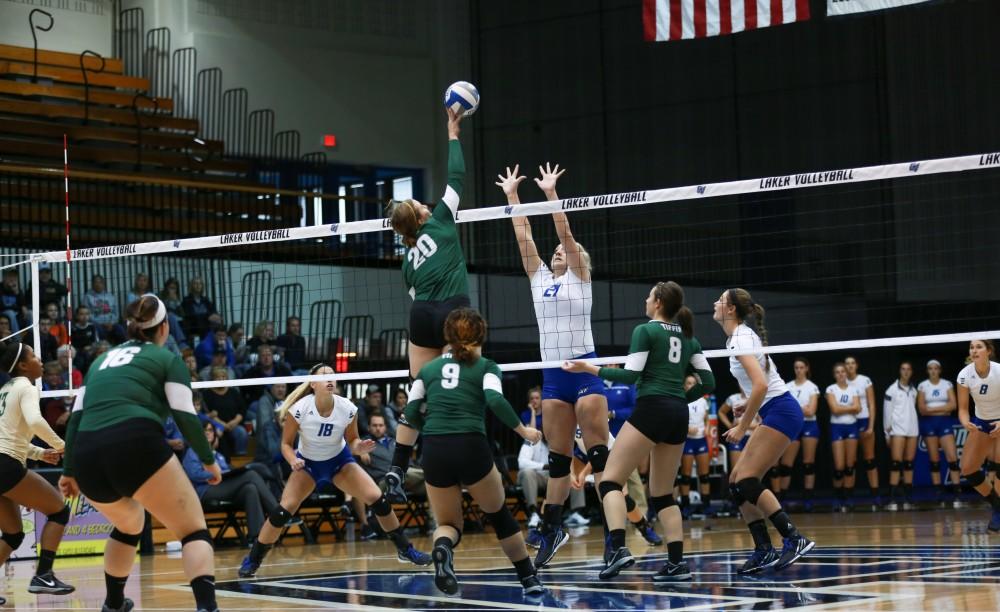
(299,392)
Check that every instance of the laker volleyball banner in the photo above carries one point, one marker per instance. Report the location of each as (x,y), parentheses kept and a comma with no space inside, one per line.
(87,530)
(849,7)
(683,19)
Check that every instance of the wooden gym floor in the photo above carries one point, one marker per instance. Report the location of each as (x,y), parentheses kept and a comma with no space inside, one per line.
(941,559)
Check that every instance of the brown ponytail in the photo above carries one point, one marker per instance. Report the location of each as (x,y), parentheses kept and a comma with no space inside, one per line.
(747,308)
(465,330)
(141,312)
(671,298)
(405,222)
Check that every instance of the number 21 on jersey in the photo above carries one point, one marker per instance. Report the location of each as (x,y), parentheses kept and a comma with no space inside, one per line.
(422,251)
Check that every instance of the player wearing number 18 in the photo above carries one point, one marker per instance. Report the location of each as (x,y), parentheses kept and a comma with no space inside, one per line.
(980,381)
(457,388)
(434,271)
(117,455)
(663,351)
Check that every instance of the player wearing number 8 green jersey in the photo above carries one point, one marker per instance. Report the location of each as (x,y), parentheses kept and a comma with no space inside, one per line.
(116,453)
(448,402)
(435,275)
(663,352)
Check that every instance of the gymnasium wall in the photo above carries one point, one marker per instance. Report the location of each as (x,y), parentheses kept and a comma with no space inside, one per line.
(80,24)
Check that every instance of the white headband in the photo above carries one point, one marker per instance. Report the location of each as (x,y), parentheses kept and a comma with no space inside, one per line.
(161,313)
(933,362)
(20,347)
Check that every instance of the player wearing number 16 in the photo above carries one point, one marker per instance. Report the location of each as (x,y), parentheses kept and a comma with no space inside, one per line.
(117,455)
(435,274)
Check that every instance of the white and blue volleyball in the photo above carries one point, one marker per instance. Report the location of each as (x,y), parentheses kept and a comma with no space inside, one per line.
(462,98)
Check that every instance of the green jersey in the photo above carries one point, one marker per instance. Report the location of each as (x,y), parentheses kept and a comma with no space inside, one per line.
(456,396)
(434,268)
(136,380)
(659,358)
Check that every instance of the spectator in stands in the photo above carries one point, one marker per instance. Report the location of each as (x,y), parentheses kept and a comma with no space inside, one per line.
(399,400)
(533,476)
(372,404)
(377,464)
(243,487)
(56,327)
(263,334)
(12,302)
(64,354)
(171,298)
(268,428)
(293,345)
(198,401)
(220,359)
(103,307)
(532,415)
(47,340)
(49,291)
(5,329)
(215,341)
(269,402)
(197,308)
(192,365)
(227,405)
(265,367)
(237,337)
(141,285)
(174,438)
(84,334)
(55,410)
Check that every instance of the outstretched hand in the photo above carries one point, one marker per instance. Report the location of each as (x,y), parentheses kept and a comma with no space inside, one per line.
(510,182)
(548,176)
(453,120)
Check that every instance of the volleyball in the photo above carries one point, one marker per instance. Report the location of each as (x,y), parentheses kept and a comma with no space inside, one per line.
(462,97)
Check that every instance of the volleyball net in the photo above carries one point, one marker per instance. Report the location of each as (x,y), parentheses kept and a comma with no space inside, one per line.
(887,262)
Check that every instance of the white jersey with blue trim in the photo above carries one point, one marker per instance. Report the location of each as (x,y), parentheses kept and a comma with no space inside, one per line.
(803,393)
(845,398)
(984,390)
(562,308)
(744,338)
(322,437)
(935,396)
(862,383)
(697,411)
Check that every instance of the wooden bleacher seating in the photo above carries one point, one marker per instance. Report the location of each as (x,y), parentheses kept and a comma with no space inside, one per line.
(73,75)
(55,58)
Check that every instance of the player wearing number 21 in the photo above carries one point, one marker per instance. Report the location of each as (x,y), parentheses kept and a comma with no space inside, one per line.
(434,271)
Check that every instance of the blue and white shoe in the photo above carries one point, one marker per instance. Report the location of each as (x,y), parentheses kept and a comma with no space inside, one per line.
(551,542)
(248,569)
(994,521)
(649,534)
(760,560)
(793,550)
(414,556)
(534,538)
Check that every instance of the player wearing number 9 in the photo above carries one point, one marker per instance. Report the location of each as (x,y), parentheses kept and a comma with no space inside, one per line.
(663,351)
(116,453)
(435,274)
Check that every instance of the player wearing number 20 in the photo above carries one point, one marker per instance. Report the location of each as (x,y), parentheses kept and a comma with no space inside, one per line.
(434,271)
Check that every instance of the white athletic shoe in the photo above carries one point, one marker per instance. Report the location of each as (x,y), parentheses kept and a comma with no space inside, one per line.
(575,519)
(534,521)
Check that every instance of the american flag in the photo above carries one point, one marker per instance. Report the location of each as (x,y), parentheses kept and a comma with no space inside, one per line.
(680,19)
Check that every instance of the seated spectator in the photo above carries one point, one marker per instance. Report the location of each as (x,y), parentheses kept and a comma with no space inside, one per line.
(227,405)
(266,367)
(141,285)
(84,335)
(192,364)
(533,476)
(49,291)
(47,340)
(267,432)
(214,341)
(263,334)
(293,345)
(532,415)
(220,359)
(197,308)
(197,400)
(103,307)
(171,298)
(12,301)
(174,438)
(371,404)
(64,354)
(243,487)
(5,329)
(272,399)
(55,410)
(237,337)
(377,464)
(56,327)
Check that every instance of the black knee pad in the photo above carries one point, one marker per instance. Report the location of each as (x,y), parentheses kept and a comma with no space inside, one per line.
(907,466)
(127,539)
(869,464)
(736,494)
(993,466)
(279,517)
(702,478)
(954,466)
(504,523)
(607,486)
(629,503)
(61,517)
(935,467)
(683,481)
(751,489)
(559,465)
(849,471)
(598,457)
(13,539)
(774,472)
(784,470)
(382,507)
(838,474)
(896,466)
(975,478)
(660,502)
(809,469)
(201,534)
